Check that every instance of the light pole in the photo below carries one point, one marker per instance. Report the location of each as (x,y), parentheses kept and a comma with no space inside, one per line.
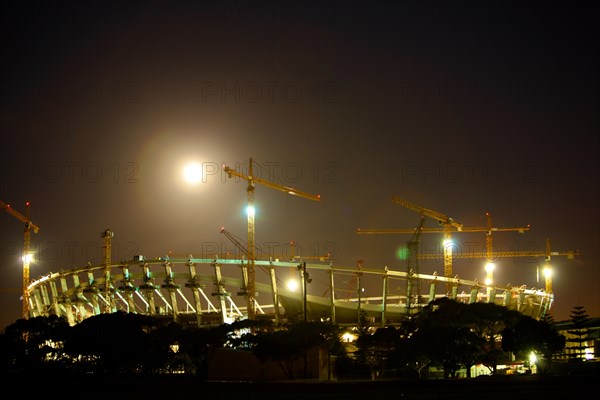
(305,280)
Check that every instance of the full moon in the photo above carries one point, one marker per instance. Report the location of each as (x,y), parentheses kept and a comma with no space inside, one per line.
(192,173)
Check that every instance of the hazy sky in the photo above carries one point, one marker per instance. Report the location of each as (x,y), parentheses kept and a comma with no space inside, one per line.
(461,107)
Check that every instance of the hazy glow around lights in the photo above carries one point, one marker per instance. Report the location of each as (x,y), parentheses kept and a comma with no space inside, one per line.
(250,211)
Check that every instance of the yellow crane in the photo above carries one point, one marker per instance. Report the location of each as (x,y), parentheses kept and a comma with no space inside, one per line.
(449,225)
(27,257)
(294,257)
(447,230)
(252,180)
(547,254)
(107,236)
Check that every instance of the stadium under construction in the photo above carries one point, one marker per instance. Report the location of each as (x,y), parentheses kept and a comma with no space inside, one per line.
(210,291)
(207,292)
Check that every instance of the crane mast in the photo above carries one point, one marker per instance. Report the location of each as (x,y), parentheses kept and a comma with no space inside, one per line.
(250,211)
(26,256)
(107,236)
(447,225)
(252,180)
(413,261)
(26,261)
(547,254)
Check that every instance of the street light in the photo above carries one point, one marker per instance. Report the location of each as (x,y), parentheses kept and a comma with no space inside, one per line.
(304,279)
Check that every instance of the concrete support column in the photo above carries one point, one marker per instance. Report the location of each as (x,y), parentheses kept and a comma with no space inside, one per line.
(274,293)
(332,294)
(384,297)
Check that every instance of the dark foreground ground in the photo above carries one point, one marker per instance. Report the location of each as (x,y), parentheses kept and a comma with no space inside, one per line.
(484,388)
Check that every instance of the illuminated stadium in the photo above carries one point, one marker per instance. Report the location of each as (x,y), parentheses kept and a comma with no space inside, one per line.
(212,291)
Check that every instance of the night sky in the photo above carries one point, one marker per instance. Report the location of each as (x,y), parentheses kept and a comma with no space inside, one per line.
(461,107)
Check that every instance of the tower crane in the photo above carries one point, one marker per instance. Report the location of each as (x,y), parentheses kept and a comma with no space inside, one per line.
(26,258)
(295,257)
(238,244)
(412,260)
(107,236)
(252,180)
(274,279)
(488,229)
(547,254)
(449,225)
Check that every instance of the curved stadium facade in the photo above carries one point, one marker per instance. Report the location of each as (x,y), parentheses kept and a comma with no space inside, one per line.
(211,292)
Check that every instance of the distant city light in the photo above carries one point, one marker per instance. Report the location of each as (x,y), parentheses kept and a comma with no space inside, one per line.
(348,337)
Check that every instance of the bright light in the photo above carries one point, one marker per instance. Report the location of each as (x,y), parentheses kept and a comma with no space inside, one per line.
(489,267)
(192,173)
(27,258)
(250,211)
(448,242)
(348,337)
(292,285)
(532,358)
(547,271)
(488,281)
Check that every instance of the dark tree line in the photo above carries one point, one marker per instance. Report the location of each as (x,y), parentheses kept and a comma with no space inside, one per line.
(445,334)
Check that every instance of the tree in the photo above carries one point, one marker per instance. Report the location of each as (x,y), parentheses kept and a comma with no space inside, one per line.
(197,345)
(443,336)
(36,343)
(375,349)
(537,336)
(409,359)
(487,321)
(579,333)
(116,343)
(364,323)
